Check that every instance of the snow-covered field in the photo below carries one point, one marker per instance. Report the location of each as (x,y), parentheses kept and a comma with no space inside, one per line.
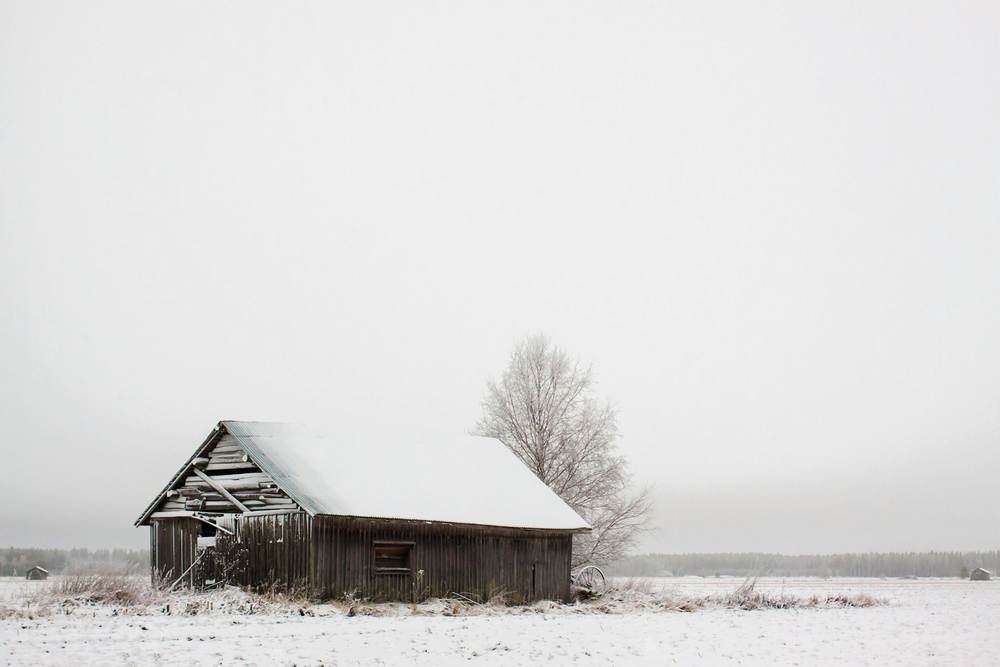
(927,622)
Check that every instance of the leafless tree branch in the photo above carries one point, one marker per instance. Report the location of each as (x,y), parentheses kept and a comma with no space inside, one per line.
(543,408)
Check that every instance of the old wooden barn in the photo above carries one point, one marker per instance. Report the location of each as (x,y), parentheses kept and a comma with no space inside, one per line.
(264,504)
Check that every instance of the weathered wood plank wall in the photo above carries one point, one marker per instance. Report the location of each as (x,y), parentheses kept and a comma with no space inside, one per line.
(333,556)
(277,550)
(171,547)
(471,560)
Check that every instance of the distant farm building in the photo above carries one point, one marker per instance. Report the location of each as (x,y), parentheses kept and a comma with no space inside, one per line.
(264,504)
(37,574)
(980,574)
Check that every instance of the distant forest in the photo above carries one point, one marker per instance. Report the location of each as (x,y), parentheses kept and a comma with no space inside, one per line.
(14,561)
(930,564)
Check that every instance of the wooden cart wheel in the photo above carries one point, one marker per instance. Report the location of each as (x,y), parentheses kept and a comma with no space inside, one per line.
(591,579)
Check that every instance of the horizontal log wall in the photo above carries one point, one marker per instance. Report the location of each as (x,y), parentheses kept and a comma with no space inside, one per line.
(228,464)
(471,560)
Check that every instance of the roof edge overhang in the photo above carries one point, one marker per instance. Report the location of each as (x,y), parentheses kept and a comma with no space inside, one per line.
(460,524)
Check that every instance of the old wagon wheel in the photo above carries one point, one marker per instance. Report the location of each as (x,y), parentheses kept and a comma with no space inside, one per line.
(590,578)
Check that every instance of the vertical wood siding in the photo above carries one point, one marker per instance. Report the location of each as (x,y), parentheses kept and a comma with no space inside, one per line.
(475,561)
(277,550)
(333,556)
(172,544)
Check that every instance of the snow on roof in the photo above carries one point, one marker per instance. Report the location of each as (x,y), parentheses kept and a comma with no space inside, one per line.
(470,479)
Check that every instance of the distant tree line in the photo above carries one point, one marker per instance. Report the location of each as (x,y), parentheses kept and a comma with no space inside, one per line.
(928,564)
(16,561)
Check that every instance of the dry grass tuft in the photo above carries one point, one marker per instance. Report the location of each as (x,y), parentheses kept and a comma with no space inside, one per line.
(637,585)
(237,602)
(499,598)
(287,596)
(642,595)
(856,600)
(113,589)
(25,613)
(351,605)
(747,597)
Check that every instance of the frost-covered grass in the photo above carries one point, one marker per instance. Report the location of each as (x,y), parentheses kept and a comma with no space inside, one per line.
(748,597)
(926,622)
(113,589)
(134,595)
(644,594)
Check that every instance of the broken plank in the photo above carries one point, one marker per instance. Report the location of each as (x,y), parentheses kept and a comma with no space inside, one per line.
(221,489)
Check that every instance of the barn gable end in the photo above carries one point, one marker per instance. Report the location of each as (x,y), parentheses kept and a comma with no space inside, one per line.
(221,462)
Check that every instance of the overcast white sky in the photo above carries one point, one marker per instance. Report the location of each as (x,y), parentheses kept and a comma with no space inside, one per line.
(774,228)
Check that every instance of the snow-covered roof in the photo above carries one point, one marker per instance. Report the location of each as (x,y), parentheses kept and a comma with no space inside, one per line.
(468,479)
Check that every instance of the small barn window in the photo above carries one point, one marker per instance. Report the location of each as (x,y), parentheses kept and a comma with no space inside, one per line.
(392,557)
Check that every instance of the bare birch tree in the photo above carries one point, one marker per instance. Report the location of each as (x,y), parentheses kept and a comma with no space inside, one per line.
(544,409)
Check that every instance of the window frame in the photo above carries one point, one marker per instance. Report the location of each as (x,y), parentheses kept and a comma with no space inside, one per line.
(392,543)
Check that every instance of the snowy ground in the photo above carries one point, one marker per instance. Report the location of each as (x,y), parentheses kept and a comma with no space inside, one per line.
(927,622)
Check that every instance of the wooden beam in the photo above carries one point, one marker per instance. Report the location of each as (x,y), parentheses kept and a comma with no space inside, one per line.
(190,567)
(221,489)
